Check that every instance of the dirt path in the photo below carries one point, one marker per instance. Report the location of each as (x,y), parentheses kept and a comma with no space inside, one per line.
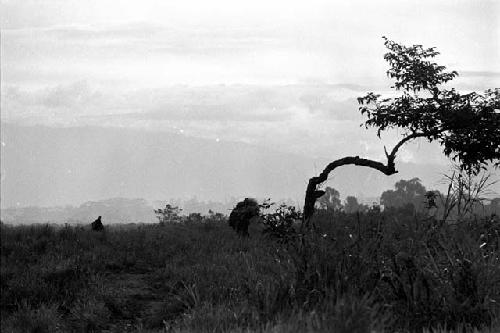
(132,302)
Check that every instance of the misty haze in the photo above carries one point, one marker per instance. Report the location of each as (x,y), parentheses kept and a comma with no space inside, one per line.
(225,166)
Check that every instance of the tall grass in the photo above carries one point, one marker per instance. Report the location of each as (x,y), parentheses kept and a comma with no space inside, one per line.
(374,272)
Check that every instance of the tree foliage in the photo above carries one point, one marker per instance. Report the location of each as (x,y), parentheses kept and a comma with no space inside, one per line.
(330,200)
(169,214)
(466,125)
(351,205)
(280,223)
(406,192)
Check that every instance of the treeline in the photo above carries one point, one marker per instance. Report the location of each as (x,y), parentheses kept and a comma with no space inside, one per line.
(463,199)
(117,210)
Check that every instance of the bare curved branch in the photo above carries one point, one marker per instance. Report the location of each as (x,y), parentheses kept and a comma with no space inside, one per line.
(408,138)
(312,192)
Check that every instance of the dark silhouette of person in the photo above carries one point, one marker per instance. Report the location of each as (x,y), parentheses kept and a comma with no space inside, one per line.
(97,225)
(242,214)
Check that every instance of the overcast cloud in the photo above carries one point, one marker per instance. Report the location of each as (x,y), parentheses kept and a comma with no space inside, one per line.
(283,73)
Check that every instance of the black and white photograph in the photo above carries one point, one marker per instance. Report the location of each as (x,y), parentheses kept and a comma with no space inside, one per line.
(250,166)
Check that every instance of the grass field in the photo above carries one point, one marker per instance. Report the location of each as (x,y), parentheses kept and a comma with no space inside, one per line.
(376,272)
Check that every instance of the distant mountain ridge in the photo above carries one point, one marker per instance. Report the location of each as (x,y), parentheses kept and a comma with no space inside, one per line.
(117,210)
(49,166)
(113,211)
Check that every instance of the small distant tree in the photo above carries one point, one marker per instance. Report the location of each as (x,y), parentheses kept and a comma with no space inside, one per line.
(215,217)
(406,192)
(330,200)
(467,126)
(195,217)
(430,199)
(169,214)
(351,205)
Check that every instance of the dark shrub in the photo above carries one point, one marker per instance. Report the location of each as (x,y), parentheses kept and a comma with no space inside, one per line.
(242,214)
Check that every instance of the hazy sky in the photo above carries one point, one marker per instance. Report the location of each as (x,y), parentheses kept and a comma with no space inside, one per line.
(277,73)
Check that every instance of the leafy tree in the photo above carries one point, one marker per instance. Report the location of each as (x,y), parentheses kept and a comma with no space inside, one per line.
(351,205)
(406,192)
(280,224)
(195,217)
(169,214)
(467,126)
(330,200)
(430,199)
(216,217)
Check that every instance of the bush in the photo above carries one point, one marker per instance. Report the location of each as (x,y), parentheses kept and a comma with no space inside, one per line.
(281,223)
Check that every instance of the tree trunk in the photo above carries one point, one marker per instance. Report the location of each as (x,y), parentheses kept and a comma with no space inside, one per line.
(312,192)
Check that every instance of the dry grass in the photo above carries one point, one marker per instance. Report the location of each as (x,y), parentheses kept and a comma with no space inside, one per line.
(382,273)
